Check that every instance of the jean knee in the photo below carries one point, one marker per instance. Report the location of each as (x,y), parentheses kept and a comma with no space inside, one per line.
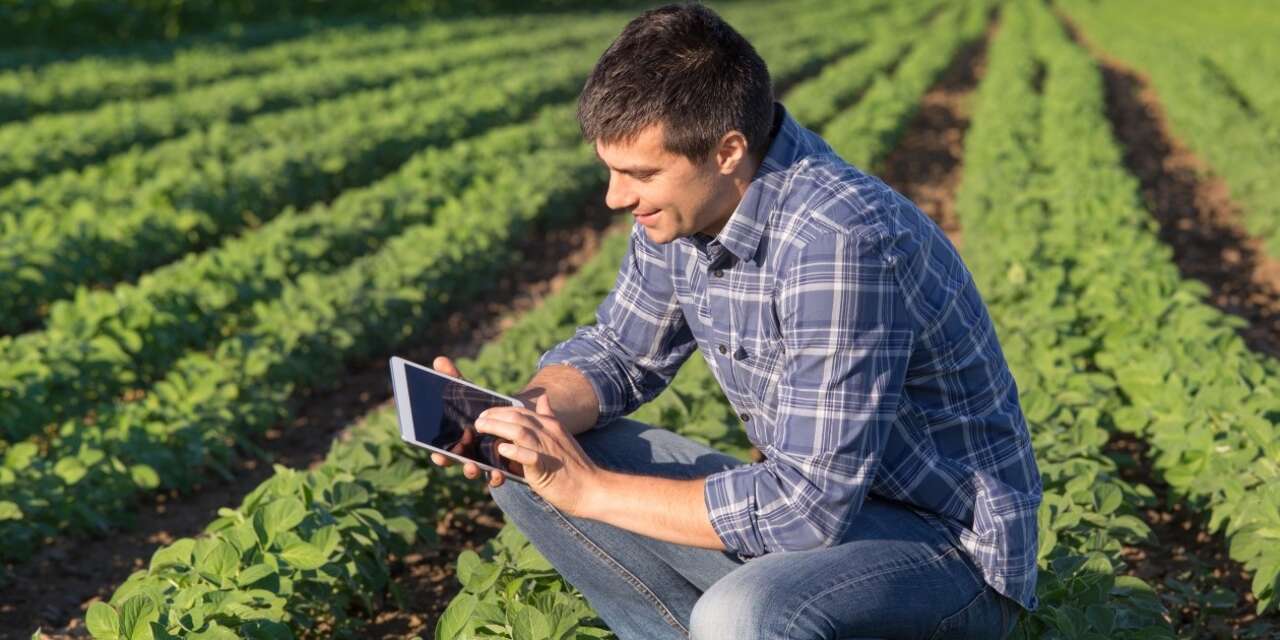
(728,610)
(517,501)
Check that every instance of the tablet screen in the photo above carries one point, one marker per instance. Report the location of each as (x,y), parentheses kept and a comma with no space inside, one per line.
(444,414)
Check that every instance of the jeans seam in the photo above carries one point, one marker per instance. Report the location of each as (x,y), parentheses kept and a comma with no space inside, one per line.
(942,624)
(865,576)
(975,571)
(617,567)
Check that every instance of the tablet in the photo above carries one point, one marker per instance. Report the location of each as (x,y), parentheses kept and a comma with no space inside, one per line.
(438,412)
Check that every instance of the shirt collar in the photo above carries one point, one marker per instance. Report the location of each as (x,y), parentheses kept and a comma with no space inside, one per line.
(741,234)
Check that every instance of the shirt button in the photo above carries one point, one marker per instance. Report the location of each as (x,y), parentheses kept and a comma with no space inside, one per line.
(723,349)
(746,417)
(719,273)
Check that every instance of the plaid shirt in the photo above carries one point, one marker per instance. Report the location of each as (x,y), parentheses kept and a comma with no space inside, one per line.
(846,331)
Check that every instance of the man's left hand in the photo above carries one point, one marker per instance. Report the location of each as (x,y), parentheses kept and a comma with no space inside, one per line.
(552,461)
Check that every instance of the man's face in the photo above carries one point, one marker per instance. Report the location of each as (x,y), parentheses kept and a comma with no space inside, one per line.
(668,194)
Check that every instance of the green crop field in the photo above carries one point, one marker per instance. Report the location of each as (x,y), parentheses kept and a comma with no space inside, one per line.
(218,221)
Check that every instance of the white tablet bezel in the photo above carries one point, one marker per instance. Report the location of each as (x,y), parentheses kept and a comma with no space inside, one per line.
(400,389)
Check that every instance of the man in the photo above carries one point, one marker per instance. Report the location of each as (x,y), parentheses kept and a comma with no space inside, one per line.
(897,497)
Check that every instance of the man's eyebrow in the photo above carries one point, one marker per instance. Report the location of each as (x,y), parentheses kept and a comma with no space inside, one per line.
(637,170)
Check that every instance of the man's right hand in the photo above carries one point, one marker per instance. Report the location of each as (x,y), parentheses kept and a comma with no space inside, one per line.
(470,469)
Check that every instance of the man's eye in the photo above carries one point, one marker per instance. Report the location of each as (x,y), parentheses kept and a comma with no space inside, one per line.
(647,177)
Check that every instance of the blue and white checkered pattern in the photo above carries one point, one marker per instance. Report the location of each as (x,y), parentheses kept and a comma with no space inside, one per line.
(846,331)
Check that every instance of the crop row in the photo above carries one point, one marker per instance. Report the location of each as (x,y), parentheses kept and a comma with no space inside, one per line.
(231,38)
(123,175)
(388,483)
(50,143)
(864,134)
(188,205)
(1239,143)
(1237,46)
(840,83)
(86,476)
(1088,513)
(144,208)
(1176,373)
(91,81)
(103,342)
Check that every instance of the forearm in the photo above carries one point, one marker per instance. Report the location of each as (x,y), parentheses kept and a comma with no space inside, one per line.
(571,395)
(663,508)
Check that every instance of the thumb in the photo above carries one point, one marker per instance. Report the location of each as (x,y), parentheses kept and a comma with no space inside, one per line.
(445,366)
(543,406)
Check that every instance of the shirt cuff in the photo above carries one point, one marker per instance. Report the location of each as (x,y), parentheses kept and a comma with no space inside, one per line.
(593,364)
(731,504)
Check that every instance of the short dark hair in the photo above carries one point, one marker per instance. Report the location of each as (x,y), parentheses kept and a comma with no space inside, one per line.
(684,66)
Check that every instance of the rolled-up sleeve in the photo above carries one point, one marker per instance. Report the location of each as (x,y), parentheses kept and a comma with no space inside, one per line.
(847,342)
(640,337)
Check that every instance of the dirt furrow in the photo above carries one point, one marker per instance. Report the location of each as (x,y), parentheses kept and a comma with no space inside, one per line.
(927,164)
(1200,222)
(1198,219)
(53,589)
(1208,593)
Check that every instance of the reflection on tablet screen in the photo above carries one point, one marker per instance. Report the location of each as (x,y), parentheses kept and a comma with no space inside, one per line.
(444,414)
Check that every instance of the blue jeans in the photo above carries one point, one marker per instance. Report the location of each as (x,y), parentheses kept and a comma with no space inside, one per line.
(894,576)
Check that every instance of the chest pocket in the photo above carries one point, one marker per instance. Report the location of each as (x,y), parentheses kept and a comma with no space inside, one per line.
(758,354)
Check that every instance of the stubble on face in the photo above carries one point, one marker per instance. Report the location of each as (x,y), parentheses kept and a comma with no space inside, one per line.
(669,195)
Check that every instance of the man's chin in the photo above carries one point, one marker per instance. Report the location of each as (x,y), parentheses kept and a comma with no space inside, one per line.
(659,236)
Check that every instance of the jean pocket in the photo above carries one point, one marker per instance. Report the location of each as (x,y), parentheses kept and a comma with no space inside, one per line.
(983,618)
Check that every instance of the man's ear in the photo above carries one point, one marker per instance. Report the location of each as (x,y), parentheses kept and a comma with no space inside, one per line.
(731,153)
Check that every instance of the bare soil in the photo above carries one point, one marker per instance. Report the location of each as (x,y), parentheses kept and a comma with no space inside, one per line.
(927,164)
(427,573)
(53,589)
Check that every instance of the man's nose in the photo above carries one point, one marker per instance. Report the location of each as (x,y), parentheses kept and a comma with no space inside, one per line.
(618,196)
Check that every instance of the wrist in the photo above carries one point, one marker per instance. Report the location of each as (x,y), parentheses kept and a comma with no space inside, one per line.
(600,492)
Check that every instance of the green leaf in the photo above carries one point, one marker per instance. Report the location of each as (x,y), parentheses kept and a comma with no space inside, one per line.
(530,624)
(326,539)
(70,470)
(215,632)
(255,573)
(456,618)
(9,511)
(1101,618)
(466,564)
(1107,498)
(19,456)
(283,514)
(302,555)
(144,476)
(483,577)
(220,560)
(530,560)
(178,553)
(103,621)
(349,494)
(136,616)
(266,630)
